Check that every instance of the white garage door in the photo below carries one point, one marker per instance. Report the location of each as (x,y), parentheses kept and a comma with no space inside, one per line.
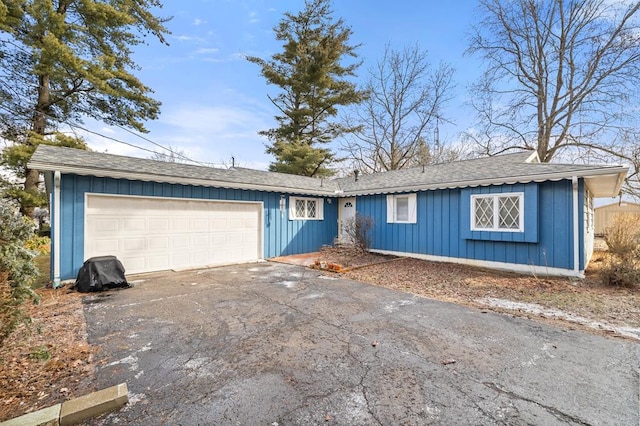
(155,234)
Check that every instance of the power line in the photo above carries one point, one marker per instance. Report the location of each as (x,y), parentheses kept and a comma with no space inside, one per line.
(78,126)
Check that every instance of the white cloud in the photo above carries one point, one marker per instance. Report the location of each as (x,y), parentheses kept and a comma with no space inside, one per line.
(198,22)
(253,18)
(215,133)
(206,51)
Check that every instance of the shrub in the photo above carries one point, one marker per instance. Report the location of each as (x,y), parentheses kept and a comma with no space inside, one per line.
(623,238)
(17,267)
(39,244)
(358,229)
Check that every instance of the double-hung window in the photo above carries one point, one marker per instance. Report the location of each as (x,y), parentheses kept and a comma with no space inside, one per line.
(305,208)
(498,212)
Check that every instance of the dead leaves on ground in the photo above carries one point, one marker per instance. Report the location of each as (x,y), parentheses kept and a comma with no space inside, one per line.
(466,284)
(46,360)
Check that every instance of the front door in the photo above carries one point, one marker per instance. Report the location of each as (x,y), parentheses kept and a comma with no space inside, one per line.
(347,215)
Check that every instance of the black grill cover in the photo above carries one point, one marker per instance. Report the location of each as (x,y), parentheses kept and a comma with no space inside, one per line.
(100,273)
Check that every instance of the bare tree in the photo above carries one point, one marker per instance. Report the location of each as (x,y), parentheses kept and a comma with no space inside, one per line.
(562,77)
(172,155)
(402,110)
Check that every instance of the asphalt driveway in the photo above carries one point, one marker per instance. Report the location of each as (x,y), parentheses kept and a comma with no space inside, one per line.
(275,344)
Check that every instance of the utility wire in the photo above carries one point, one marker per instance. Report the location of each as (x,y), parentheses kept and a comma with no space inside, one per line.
(78,126)
(85,111)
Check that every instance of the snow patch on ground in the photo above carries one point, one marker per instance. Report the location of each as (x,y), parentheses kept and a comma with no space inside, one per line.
(324,277)
(397,304)
(534,308)
(132,360)
(314,296)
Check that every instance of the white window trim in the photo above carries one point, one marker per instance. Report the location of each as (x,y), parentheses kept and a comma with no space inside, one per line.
(391,208)
(319,208)
(496,219)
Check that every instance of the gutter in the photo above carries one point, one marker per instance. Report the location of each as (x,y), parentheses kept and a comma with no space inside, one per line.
(56,229)
(576,228)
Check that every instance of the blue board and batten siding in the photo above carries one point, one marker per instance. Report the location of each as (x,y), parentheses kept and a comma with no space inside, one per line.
(443,226)
(281,236)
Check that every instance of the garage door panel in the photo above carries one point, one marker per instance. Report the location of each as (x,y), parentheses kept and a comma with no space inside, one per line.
(180,260)
(133,263)
(180,225)
(218,239)
(199,258)
(133,244)
(199,240)
(135,224)
(106,245)
(180,241)
(158,243)
(250,223)
(199,225)
(158,263)
(158,224)
(235,223)
(105,225)
(148,233)
(218,223)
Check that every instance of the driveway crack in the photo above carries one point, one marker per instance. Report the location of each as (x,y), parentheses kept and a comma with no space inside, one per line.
(552,410)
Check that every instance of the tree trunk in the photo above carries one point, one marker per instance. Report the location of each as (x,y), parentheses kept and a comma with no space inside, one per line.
(39,126)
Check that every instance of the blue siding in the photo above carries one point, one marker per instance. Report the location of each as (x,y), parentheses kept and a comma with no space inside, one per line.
(443,227)
(281,236)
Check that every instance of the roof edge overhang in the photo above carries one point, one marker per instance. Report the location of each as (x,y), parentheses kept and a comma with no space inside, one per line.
(85,171)
(619,172)
(595,176)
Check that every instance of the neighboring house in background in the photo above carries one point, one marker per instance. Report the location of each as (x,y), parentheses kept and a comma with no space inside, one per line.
(507,212)
(604,215)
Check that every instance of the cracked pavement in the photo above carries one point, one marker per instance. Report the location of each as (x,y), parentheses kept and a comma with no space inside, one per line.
(275,344)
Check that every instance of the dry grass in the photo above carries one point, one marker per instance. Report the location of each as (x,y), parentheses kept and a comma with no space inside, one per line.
(450,282)
(622,268)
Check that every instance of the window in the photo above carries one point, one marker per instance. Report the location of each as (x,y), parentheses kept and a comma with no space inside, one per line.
(305,208)
(497,212)
(401,208)
(588,210)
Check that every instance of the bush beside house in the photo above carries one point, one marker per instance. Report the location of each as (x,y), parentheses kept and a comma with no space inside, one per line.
(623,239)
(17,266)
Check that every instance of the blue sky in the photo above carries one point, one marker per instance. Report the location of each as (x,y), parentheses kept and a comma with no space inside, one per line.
(214,101)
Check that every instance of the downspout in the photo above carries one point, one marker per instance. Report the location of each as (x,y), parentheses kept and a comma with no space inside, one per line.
(56,229)
(576,228)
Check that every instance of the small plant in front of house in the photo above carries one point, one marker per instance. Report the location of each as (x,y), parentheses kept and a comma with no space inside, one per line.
(623,238)
(358,229)
(40,353)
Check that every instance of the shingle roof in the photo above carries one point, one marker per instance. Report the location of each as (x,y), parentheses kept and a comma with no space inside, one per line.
(521,167)
(108,165)
(511,168)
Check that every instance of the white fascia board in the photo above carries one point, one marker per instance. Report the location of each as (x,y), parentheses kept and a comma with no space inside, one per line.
(620,171)
(180,180)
